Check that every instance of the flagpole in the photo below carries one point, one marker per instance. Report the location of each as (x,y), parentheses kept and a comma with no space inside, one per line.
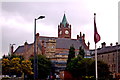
(96,39)
(96,62)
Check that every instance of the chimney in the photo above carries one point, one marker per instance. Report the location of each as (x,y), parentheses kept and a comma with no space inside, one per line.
(25,46)
(12,48)
(103,44)
(83,36)
(77,36)
(37,35)
(80,34)
(26,43)
(88,45)
(70,26)
(116,43)
(111,44)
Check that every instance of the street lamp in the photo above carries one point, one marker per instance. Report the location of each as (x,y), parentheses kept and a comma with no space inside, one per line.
(35,56)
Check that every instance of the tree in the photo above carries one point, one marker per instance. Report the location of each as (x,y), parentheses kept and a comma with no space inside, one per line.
(103,70)
(16,66)
(71,54)
(3,56)
(11,67)
(10,57)
(72,67)
(77,67)
(26,67)
(5,66)
(44,66)
(81,52)
(85,68)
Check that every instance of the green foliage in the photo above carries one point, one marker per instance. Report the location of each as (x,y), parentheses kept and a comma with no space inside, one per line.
(72,67)
(103,70)
(16,66)
(71,54)
(10,57)
(5,66)
(85,68)
(3,56)
(44,66)
(81,52)
(11,67)
(26,67)
(79,67)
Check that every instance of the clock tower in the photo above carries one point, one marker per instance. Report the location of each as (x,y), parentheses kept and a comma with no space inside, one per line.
(64,29)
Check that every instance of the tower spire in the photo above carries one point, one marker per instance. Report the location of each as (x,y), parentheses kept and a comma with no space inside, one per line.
(64,29)
(64,20)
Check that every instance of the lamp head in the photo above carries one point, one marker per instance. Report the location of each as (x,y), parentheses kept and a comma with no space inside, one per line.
(41,17)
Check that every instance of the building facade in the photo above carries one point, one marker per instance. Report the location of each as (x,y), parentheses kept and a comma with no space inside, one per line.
(64,29)
(55,48)
(111,56)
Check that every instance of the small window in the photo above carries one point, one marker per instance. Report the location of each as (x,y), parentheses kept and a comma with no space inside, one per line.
(52,46)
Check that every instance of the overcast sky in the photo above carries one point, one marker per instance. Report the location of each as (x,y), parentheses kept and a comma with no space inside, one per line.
(17,20)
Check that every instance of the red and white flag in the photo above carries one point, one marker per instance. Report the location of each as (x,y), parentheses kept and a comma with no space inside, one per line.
(96,35)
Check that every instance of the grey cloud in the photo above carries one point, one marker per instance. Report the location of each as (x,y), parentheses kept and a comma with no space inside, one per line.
(52,10)
(76,15)
(14,36)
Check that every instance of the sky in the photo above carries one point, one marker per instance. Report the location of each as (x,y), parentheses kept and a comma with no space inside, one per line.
(17,20)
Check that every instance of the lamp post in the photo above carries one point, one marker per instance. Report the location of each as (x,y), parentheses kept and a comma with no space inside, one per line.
(35,55)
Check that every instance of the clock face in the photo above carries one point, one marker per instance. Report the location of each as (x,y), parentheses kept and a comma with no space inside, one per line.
(60,32)
(66,32)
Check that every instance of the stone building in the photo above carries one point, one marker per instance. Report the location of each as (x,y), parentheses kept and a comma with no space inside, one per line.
(111,56)
(55,48)
(27,50)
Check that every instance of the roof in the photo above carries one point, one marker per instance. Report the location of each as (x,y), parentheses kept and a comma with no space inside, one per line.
(107,49)
(65,43)
(21,49)
(64,21)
